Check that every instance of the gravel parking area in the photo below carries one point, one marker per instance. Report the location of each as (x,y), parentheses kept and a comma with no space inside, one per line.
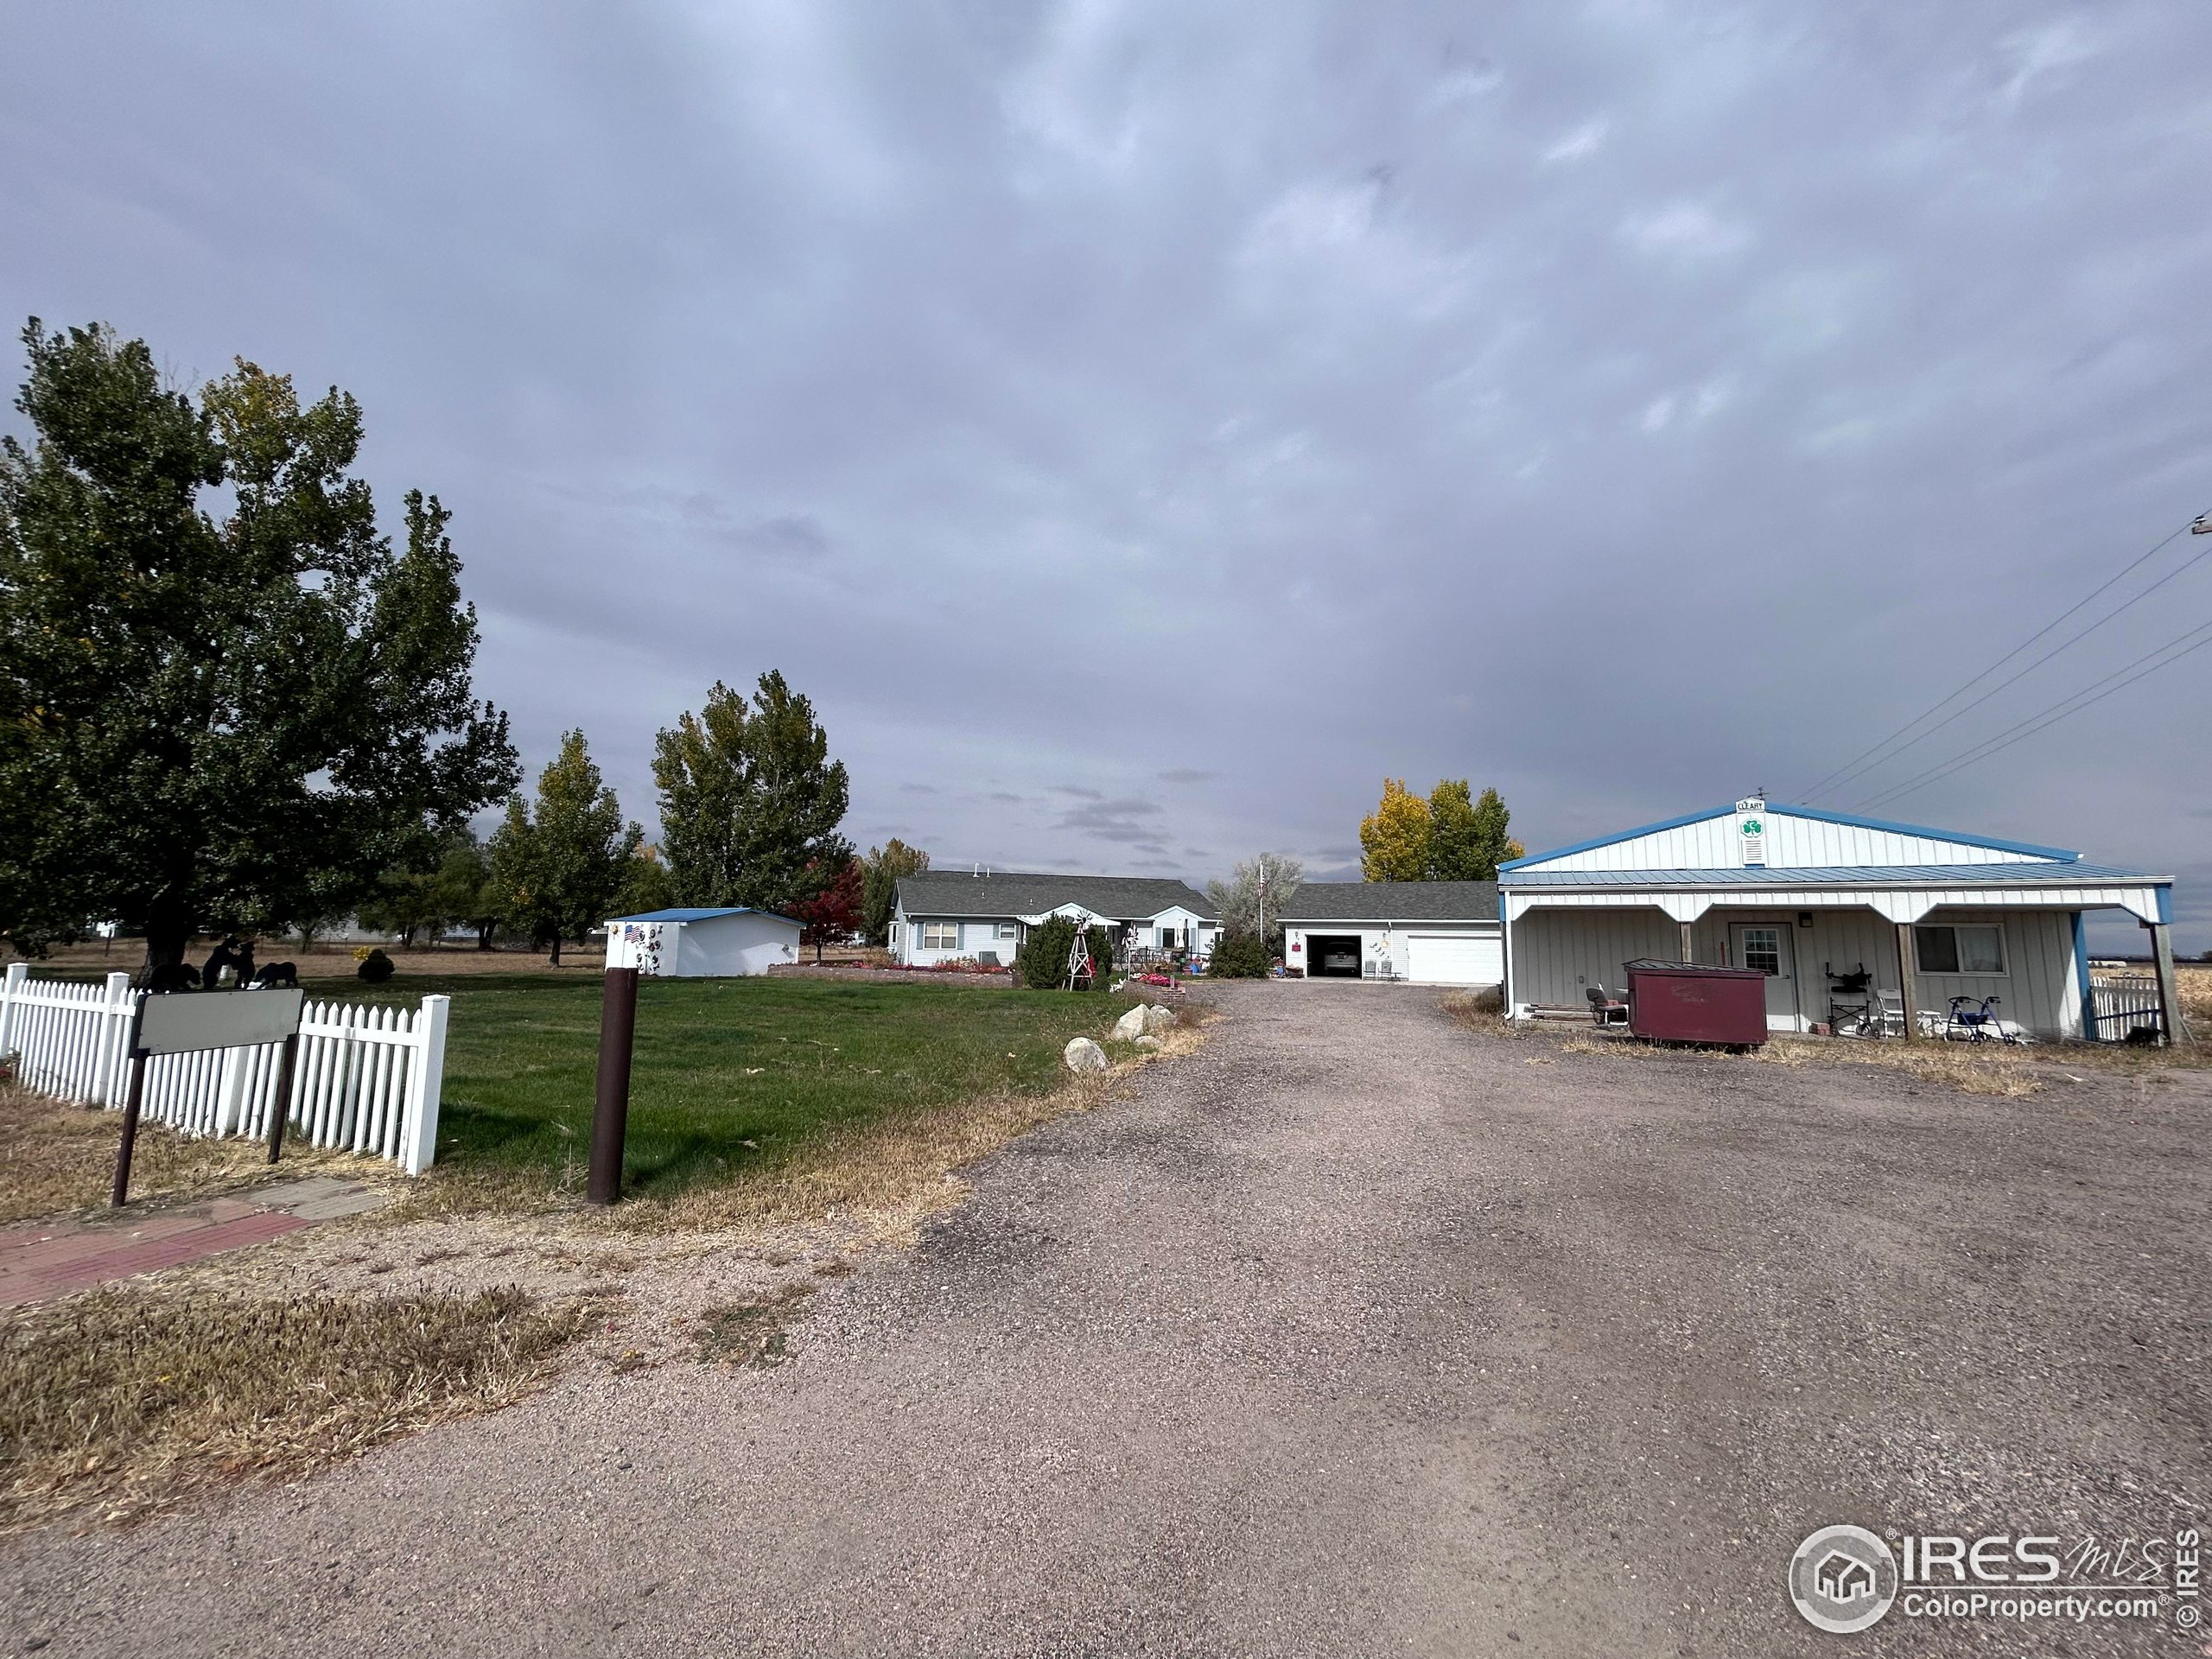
(1358,1332)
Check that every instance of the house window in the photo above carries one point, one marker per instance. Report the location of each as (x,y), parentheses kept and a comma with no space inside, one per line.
(1961,950)
(940,936)
(1763,949)
(1170,938)
(1008,931)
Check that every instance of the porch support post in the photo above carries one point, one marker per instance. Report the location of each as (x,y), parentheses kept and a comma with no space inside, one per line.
(2162,951)
(1689,950)
(1908,982)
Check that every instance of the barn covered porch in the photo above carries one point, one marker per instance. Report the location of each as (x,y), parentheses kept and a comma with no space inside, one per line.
(1838,941)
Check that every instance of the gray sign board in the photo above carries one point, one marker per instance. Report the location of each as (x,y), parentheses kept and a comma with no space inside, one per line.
(186,1022)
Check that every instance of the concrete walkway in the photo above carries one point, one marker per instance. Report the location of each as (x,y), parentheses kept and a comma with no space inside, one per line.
(39,1259)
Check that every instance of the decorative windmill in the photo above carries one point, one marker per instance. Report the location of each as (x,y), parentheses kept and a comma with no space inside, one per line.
(1079,964)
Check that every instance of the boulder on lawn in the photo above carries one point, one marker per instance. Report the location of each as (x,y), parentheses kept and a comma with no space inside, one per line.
(1150,1045)
(1131,1026)
(1083,1055)
(1157,1018)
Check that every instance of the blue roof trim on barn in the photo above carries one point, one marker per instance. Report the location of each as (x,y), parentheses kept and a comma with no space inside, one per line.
(1852,819)
(1784,876)
(708,915)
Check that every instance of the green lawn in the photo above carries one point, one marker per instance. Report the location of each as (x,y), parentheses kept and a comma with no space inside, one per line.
(731,1075)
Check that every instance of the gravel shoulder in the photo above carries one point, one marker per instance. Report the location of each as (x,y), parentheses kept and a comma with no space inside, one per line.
(1356,1331)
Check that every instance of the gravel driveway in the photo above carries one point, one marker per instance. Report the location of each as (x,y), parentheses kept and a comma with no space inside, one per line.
(1357,1332)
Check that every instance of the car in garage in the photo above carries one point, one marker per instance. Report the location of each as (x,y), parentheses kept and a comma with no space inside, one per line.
(1420,932)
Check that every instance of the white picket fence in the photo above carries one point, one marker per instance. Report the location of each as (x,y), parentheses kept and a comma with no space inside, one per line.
(366,1079)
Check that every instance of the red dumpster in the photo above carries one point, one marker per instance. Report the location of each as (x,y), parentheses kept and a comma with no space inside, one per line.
(1689,1002)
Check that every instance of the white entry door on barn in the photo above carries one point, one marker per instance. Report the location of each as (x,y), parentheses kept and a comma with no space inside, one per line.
(1446,959)
(1768,947)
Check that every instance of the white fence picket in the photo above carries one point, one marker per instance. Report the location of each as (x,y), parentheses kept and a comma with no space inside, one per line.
(369,1079)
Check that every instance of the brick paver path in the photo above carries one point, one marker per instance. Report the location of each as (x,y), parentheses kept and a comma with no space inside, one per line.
(39,1259)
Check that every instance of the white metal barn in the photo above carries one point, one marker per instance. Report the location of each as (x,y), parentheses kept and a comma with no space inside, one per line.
(701,943)
(1806,895)
(1429,932)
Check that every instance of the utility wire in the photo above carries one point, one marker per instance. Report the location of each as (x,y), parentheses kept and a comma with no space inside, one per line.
(2119,680)
(1965,709)
(1852,766)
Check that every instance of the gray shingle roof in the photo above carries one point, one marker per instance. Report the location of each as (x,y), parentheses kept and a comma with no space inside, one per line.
(1123,897)
(1393,901)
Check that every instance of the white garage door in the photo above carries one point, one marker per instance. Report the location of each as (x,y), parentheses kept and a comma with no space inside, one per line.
(1469,960)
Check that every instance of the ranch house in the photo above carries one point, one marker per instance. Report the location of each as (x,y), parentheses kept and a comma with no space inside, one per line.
(948,916)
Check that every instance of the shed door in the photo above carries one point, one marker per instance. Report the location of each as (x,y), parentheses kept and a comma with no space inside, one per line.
(1768,947)
(1459,960)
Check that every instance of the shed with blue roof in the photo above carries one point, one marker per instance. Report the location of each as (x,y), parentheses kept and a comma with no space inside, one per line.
(703,942)
(1918,916)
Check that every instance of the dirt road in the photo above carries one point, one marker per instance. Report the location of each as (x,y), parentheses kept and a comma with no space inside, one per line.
(1358,1333)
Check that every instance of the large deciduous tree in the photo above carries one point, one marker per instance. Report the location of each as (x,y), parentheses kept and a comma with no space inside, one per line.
(1467,836)
(1250,904)
(466,893)
(645,883)
(216,722)
(750,801)
(885,867)
(558,870)
(1394,838)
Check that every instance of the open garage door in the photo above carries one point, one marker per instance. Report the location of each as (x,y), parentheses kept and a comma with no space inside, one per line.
(1332,956)
(1473,959)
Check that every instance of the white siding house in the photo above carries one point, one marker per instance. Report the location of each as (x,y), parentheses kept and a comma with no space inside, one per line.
(947,916)
(1429,932)
(701,943)
(1809,896)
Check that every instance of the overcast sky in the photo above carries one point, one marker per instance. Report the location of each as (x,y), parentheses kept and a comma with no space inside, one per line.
(1142,428)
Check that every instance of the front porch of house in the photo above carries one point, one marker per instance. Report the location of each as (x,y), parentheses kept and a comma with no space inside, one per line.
(1842,954)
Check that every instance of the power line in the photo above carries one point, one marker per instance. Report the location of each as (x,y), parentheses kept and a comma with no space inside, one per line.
(2180,646)
(1852,766)
(1965,709)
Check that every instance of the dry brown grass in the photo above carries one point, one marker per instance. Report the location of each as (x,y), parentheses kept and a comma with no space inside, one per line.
(1995,1068)
(56,1158)
(119,1403)
(2194,985)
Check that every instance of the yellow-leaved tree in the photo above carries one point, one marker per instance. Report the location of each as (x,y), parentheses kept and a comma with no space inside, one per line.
(1394,838)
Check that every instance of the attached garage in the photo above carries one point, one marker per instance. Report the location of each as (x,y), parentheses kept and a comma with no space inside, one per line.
(1421,932)
(1455,959)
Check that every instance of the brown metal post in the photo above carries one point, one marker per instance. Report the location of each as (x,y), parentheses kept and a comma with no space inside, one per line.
(1908,982)
(283,1102)
(131,1103)
(610,1118)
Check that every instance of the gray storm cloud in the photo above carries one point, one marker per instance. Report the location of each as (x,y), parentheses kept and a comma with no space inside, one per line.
(1628,405)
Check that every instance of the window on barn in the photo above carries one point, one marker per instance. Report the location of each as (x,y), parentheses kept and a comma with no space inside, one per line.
(1961,950)
(940,936)
(1763,949)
